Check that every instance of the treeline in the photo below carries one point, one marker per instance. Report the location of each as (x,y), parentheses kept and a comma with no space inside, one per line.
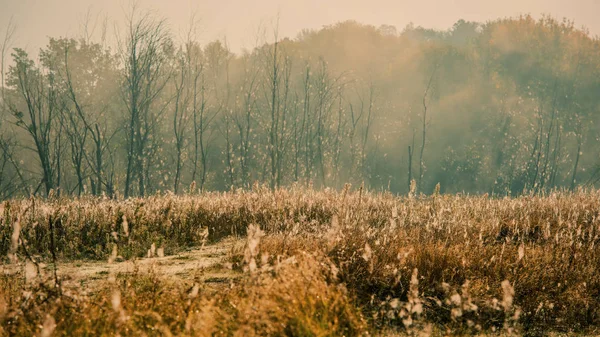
(504,107)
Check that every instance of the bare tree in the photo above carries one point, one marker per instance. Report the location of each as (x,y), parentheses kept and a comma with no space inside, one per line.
(201,123)
(243,121)
(325,86)
(545,175)
(341,124)
(144,79)
(77,135)
(283,137)
(204,111)
(84,69)
(297,136)
(305,129)
(180,116)
(38,97)
(274,107)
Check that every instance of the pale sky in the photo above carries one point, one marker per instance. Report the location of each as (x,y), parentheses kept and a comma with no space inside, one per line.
(239,20)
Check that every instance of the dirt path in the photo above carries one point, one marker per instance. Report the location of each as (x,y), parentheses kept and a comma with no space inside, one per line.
(208,264)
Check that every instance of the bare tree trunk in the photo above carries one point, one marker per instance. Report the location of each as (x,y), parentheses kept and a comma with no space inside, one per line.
(355,119)
(574,175)
(338,142)
(536,159)
(179,122)
(410,155)
(556,155)
(133,116)
(424,131)
(243,125)
(306,127)
(411,151)
(274,115)
(297,141)
(98,151)
(368,121)
(201,124)
(282,121)
(228,152)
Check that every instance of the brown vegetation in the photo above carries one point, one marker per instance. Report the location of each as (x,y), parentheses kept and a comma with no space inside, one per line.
(313,264)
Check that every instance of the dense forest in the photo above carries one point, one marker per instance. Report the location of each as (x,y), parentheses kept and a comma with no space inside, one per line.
(505,107)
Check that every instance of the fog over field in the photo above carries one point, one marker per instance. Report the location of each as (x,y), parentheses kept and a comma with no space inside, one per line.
(299,168)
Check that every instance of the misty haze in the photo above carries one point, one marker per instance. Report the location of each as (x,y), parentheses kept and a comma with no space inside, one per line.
(432,167)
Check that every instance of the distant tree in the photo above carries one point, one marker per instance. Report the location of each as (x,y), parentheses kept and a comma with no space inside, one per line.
(143,53)
(36,110)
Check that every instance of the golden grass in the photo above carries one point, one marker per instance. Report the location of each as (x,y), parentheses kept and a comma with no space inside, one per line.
(292,298)
(318,263)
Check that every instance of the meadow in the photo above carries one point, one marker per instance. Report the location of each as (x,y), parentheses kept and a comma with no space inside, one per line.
(301,262)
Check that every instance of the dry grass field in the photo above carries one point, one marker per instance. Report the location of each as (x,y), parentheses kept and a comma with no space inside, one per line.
(300,262)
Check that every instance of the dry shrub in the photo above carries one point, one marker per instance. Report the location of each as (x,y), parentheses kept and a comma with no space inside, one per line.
(292,298)
(296,297)
(544,247)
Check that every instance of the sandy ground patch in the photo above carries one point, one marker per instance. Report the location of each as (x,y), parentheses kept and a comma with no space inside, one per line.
(206,264)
